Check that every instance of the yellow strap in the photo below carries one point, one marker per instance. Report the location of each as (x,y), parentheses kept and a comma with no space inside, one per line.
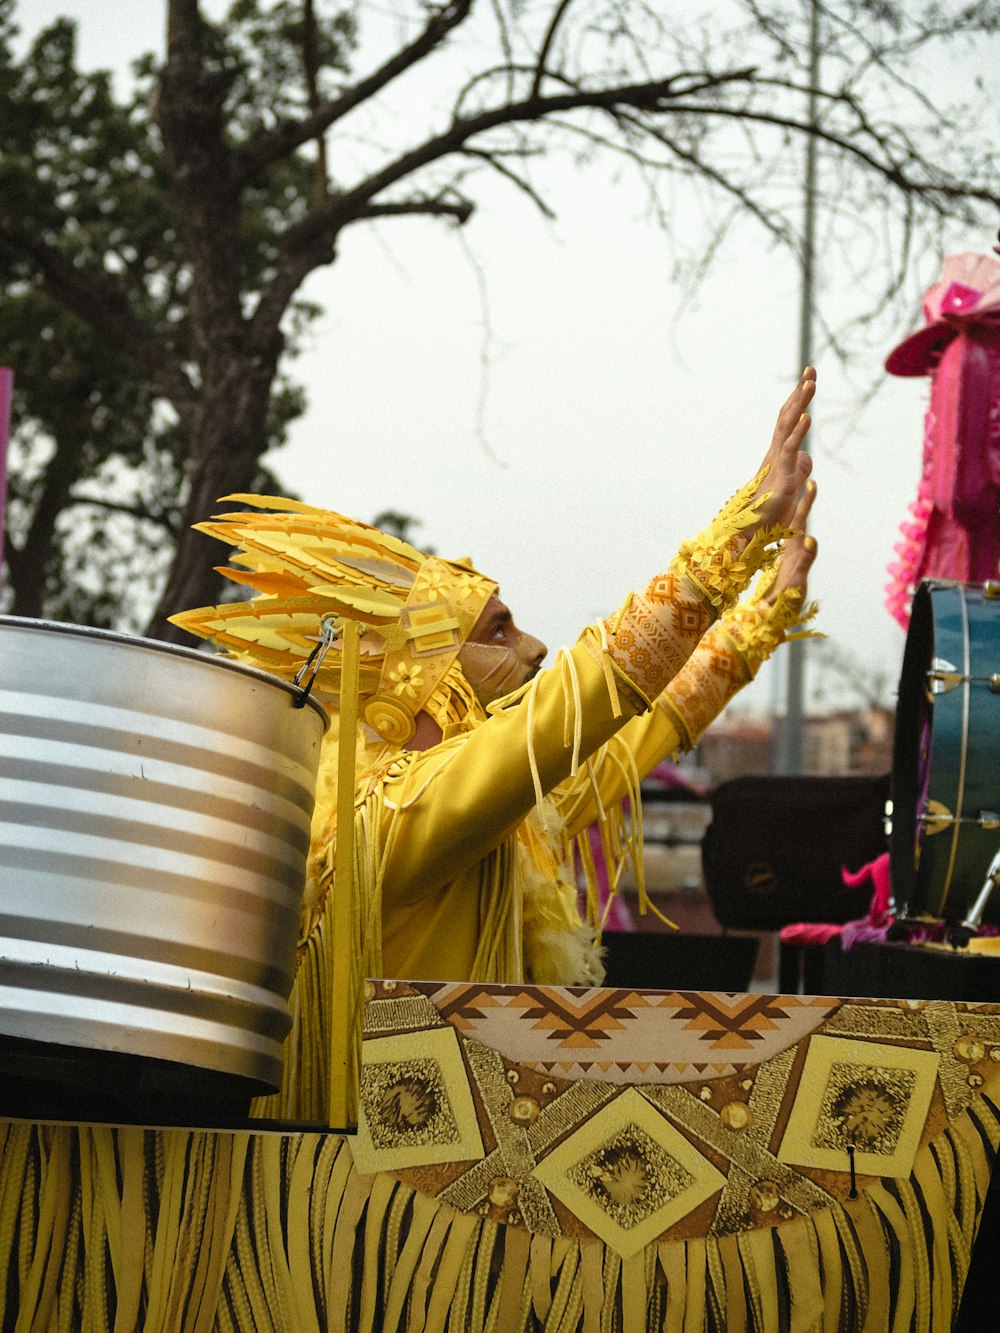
(541,1286)
(513,1278)
(592,1281)
(352,1206)
(739,1316)
(852,1255)
(422,1283)
(670,1255)
(378,1210)
(876,1256)
(921,1262)
(37,1292)
(342,1112)
(715,1287)
(424,1211)
(340,1179)
(612,1276)
(938,1210)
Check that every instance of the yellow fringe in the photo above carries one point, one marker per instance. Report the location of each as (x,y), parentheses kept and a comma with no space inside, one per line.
(279,1231)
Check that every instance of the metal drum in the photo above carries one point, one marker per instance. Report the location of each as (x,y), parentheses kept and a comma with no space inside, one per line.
(155,805)
(946,760)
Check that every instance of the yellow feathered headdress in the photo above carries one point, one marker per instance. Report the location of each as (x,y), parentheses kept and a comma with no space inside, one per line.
(313,568)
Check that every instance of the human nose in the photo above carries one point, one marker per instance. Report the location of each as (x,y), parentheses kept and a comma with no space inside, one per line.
(533,651)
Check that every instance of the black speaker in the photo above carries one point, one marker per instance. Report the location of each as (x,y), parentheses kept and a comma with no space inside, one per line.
(655,960)
(774,850)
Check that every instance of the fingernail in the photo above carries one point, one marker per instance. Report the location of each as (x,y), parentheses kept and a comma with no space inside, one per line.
(810,486)
(809,543)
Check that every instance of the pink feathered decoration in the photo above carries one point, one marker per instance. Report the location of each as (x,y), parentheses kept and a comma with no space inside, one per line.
(954,527)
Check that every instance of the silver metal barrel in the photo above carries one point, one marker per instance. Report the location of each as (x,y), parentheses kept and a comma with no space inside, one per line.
(155,805)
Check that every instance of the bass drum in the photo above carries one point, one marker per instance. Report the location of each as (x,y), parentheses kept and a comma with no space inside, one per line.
(946,757)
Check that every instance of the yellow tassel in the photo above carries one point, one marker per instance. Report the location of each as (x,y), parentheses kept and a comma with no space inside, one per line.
(918,1244)
(802,1266)
(514,1284)
(378,1209)
(454,1256)
(635,1293)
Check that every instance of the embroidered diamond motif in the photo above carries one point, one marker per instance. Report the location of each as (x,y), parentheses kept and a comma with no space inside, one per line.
(628,1174)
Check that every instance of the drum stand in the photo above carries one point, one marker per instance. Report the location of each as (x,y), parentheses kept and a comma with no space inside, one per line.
(961,935)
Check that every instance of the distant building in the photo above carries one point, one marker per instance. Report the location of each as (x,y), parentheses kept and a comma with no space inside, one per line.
(849,740)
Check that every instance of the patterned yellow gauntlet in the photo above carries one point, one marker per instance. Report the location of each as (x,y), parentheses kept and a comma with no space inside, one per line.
(653,634)
(723,558)
(730,655)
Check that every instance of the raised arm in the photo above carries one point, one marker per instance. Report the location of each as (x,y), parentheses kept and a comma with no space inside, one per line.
(726,659)
(448,807)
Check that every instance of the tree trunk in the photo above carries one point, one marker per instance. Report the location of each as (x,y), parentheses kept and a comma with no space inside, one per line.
(228,439)
(29,565)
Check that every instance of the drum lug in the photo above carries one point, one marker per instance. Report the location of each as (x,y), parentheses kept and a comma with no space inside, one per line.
(943,677)
(991,590)
(995,683)
(936,818)
(989,819)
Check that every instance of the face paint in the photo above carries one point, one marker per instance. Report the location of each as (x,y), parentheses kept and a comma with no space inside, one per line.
(498,658)
(492,671)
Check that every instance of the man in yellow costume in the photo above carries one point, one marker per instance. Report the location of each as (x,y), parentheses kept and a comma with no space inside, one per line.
(475,774)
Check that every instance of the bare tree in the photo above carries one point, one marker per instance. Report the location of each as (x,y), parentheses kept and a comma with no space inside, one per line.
(717,103)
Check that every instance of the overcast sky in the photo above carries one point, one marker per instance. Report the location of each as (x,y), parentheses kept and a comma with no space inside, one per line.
(546,400)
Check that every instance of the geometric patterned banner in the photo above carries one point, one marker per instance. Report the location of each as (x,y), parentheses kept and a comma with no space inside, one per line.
(535,1158)
(635,1116)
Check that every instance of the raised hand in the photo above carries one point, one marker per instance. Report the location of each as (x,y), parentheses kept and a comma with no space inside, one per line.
(799,552)
(787,464)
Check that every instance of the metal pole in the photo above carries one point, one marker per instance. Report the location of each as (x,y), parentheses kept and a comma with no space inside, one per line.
(791,730)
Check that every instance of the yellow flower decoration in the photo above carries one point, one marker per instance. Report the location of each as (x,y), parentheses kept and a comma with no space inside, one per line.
(407,680)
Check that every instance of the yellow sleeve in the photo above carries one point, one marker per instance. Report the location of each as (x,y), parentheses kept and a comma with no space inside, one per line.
(446,808)
(616,770)
(727,658)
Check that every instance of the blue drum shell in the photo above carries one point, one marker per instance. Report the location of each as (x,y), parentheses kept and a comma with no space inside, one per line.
(945,758)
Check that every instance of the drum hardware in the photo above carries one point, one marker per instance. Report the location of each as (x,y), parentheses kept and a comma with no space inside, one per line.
(944,678)
(991,590)
(936,818)
(970,926)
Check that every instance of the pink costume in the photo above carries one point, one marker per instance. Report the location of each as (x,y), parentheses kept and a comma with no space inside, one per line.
(954,528)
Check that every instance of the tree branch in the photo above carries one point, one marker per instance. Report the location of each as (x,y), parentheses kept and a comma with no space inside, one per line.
(270,146)
(139,512)
(546,46)
(889,171)
(459,210)
(341,209)
(495,161)
(99,302)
